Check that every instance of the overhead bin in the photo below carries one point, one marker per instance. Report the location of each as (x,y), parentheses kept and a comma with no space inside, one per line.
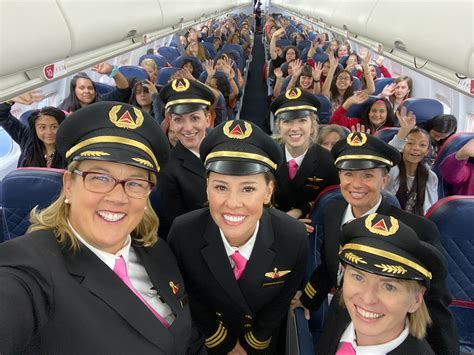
(77,34)
(438,31)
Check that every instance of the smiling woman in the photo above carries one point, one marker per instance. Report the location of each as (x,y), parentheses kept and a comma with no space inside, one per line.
(242,262)
(381,306)
(93,255)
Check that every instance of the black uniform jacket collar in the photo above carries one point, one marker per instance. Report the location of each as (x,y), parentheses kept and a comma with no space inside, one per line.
(310,160)
(189,160)
(100,280)
(259,263)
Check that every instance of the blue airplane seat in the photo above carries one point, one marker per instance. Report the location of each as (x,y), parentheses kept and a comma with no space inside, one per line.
(233,47)
(325,111)
(170,53)
(320,57)
(25,116)
(452,145)
(312,36)
(358,110)
(102,88)
(209,47)
(22,190)
(160,60)
(164,75)
(386,134)
(381,83)
(283,42)
(303,45)
(356,83)
(132,71)
(235,56)
(453,217)
(424,108)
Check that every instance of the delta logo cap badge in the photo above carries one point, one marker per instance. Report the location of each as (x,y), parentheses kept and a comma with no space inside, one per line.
(237,131)
(126,120)
(356,139)
(180,85)
(380,227)
(293,94)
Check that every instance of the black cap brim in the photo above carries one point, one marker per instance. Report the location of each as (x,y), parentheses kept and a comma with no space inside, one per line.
(186,108)
(293,114)
(360,164)
(239,168)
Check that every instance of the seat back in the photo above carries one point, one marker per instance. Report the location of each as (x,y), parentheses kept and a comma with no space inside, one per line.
(424,108)
(358,110)
(164,75)
(325,111)
(22,190)
(303,44)
(453,216)
(25,116)
(233,47)
(283,42)
(209,48)
(452,144)
(386,134)
(197,66)
(170,53)
(160,60)
(132,71)
(320,57)
(102,88)
(381,83)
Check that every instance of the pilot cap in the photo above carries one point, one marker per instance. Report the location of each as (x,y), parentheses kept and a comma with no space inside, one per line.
(239,148)
(294,103)
(183,96)
(115,132)
(385,246)
(359,151)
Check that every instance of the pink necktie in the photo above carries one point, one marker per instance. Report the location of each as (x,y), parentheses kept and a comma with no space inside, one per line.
(120,268)
(292,168)
(240,263)
(345,348)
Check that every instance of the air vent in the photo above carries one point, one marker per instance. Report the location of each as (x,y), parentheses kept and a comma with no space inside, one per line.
(400,45)
(131,33)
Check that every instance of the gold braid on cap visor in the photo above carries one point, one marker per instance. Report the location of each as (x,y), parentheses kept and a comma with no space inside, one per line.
(294,108)
(187,101)
(114,139)
(233,154)
(363,157)
(388,255)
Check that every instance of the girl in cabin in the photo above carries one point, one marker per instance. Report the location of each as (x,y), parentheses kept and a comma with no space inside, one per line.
(82,90)
(398,91)
(412,181)
(37,141)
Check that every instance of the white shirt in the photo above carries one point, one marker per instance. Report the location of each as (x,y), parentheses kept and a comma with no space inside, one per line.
(136,273)
(244,250)
(348,216)
(298,159)
(349,336)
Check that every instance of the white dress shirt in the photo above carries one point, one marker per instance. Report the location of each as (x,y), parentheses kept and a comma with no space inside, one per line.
(136,273)
(298,159)
(349,336)
(244,250)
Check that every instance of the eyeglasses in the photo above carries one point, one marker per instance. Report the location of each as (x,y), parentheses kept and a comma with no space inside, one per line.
(103,183)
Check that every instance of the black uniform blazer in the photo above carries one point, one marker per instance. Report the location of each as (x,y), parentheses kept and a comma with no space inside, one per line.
(442,335)
(336,323)
(181,186)
(317,171)
(226,309)
(54,301)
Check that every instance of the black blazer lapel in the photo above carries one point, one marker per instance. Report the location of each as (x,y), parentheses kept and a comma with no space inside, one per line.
(101,281)
(261,258)
(160,276)
(215,255)
(190,161)
(332,230)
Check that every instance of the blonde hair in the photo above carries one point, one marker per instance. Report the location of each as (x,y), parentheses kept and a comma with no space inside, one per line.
(55,218)
(201,53)
(324,131)
(314,126)
(418,320)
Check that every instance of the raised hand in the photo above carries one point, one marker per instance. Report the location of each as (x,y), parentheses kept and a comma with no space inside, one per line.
(333,62)
(297,67)
(103,68)
(360,128)
(150,86)
(359,97)
(209,66)
(278,73)
(317,70)
(407,120)
(379,60)
(388,90)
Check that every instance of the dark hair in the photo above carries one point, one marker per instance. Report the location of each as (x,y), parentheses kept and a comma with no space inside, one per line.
(334,91)
(298,34)
(223,85)
(133,98)
(389,121)
(297,52)
(419,182)
(441,124)
(72,103)
(37,158)
(305,71)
